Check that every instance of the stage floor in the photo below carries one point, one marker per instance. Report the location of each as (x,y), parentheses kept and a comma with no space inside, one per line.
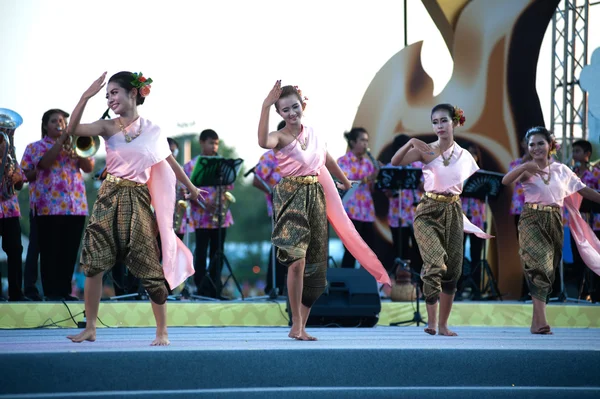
(263,313)
(275,338)
(262,362)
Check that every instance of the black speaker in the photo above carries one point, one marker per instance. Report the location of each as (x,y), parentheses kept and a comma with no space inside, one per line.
(350,300)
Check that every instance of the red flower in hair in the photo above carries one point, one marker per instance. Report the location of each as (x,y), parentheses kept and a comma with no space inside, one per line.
(459,116)
(144,91)
(141,83)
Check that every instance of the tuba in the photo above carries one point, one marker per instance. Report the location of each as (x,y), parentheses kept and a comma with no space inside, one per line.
(9,122)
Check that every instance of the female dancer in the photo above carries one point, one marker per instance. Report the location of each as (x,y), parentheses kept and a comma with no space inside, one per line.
(301,199)
(122,226)
(439,222)
(356,165)
(547,185)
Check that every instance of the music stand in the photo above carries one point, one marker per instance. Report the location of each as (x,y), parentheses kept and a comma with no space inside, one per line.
(483,185)
(217,172)
(398,179)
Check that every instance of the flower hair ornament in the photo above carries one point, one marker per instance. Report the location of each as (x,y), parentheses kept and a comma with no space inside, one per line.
(554,146)
(304,99)
(141,83)
(459,116)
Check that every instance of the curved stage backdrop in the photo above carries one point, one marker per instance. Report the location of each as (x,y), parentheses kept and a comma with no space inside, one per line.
(495,47)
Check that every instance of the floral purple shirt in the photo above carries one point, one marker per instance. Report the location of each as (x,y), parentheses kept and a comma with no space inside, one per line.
(10,208)
(591,178)
(403,206)
(360,207)
(200,218)
(59,190)
(518,197)
(475,210)
(268,170)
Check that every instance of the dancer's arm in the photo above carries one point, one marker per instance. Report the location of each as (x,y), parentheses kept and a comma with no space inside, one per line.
(335,170)
(411,152)
(522,173)
(590,194)
(266,139)
(194,192)
(97,128)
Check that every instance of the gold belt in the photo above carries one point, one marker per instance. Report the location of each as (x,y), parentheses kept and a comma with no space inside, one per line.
(122,182)
(304,179)
(545,208)
(441,197)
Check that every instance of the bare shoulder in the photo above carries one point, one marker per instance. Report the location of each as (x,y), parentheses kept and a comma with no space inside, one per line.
(283,139)
(110,127)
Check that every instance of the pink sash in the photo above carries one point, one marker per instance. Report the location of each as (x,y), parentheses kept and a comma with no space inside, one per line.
(347,232)
(585,239)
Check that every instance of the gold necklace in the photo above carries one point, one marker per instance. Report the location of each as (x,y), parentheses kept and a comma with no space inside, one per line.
(447,161)
(129,138)
(546,182)
(302,145)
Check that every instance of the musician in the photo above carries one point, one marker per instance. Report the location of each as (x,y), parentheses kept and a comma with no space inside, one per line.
(267,172)
(582,151)
(10,227)
(203,222)
(357,165)
(60,205)
(30,274)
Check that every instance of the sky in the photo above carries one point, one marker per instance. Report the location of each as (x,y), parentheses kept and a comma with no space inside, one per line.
(214,62)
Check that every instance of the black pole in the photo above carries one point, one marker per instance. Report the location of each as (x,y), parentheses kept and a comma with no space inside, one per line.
(405,24)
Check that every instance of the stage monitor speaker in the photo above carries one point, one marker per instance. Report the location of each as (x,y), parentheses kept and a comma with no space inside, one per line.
(351,299)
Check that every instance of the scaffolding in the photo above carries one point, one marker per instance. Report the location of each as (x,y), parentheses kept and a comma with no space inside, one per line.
(568,114)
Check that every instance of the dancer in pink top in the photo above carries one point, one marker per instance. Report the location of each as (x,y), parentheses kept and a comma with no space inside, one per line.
(302,199)
(142,174)
(547,185)
(439,221)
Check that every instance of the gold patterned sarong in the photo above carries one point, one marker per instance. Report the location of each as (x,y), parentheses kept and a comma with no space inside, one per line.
(301,231)
(540,246)
(123,229)
(438,227)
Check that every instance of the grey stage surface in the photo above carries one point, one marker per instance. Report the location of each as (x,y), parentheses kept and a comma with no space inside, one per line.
(262,362)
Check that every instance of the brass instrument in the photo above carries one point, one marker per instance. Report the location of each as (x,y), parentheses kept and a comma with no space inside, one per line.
(82,146)
(9,122)
(228,199)
(180,210)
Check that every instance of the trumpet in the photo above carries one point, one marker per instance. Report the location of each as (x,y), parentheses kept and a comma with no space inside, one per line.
(82,146)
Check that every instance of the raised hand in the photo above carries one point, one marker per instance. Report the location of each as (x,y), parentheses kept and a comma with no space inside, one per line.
(95,87)
(195,194)
(421,146)
(532,168)
(273,95)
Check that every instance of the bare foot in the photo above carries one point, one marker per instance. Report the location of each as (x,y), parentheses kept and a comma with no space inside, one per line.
(85,335)
(162,339)
(446,332)
(295,332)
(430,331)
(543,330)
